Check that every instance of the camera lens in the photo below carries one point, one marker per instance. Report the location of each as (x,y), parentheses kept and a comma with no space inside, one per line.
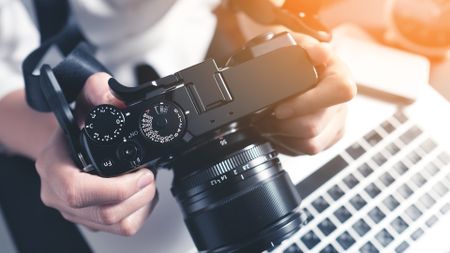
(235,195)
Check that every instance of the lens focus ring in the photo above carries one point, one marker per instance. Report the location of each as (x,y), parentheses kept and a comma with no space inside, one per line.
(238,163)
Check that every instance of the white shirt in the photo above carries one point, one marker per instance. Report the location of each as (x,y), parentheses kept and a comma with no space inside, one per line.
(167,34)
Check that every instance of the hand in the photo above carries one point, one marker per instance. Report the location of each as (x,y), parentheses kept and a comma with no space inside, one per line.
(118,205)
(314,120)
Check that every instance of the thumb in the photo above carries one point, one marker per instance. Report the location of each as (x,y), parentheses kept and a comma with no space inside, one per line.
(96,91)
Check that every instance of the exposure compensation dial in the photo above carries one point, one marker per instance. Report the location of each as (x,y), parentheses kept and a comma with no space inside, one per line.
(104,124)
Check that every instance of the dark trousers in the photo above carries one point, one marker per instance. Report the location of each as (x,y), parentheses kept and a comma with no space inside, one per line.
(33,226)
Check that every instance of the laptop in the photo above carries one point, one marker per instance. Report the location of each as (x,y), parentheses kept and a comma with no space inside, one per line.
(384,188)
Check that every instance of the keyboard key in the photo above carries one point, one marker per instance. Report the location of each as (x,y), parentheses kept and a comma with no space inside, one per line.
(417,234)
(345,240)
(372,190)
(414,157)
(326,226)
(368,248)
(361,227)
(391,203)
(392,148)
(402,247)
(293,249)
(387,179)
(321,176)
(399,225)
(388,127)
(444,157)
(376,215)
(320,204)
(350,181)
(329,249)
(373,138)
(308,215)
(379,159)
(413,212)
(384,238)
(401,117)
(358,202)
(405,191)
(418,179)
(431,221)
(445,208)
(440,189)
(342,214)
(355,150)
(400,168)
(427,201)
(410,135)
(335,192)
(428,145)
(432,169)
(365,170)
(310,239)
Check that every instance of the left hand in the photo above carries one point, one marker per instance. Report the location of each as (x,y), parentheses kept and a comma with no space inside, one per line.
(314,120)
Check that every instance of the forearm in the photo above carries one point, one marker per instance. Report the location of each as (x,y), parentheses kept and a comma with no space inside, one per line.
(22,130)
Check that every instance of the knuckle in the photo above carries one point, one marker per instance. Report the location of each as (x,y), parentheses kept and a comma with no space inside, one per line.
(72,197)
(45,198)
(311,130)
(40,166)
(312,148)
(66,216)
(127,228)
(107,216)
(347,89)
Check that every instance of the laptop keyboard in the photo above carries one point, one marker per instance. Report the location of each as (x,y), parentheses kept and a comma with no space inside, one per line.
(379,195)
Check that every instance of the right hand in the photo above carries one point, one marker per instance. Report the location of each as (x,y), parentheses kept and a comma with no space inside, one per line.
(118,205)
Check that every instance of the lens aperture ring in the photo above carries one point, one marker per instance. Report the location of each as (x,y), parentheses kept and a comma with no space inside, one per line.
(238,162)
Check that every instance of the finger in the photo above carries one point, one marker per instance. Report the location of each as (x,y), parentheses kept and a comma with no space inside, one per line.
(330,135)
(81,189)
(96,91)
(336,87)
(303,127)
(106,214)
(126,227)
(319,53)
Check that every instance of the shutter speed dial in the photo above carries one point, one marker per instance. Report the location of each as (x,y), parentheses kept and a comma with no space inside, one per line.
(104,124)
(162,122)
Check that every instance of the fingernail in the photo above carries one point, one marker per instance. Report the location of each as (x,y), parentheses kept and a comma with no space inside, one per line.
(283,112)
(145,179)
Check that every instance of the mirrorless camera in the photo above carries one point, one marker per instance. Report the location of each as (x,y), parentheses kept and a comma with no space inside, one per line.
(199,122)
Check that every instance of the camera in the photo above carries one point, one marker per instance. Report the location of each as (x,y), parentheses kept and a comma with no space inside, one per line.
(199,122)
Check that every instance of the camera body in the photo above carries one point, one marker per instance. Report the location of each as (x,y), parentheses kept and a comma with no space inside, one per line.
(165,118)
(199,122)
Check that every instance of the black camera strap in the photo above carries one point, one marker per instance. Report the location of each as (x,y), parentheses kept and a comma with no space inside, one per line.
(53,89)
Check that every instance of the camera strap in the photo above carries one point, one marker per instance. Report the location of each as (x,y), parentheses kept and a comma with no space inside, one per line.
(77,64)
(53,88)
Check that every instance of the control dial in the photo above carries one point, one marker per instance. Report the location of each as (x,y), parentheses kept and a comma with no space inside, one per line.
(162,122)
(104,124)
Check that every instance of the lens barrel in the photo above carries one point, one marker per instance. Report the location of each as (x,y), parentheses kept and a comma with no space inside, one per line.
(242,202)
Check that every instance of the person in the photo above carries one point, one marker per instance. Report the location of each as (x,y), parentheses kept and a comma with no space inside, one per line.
(177,34)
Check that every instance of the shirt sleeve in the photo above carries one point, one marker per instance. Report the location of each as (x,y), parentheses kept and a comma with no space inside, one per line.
(18,37)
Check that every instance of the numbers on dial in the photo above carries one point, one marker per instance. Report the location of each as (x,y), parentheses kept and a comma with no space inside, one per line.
(104,124)
(162,122)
